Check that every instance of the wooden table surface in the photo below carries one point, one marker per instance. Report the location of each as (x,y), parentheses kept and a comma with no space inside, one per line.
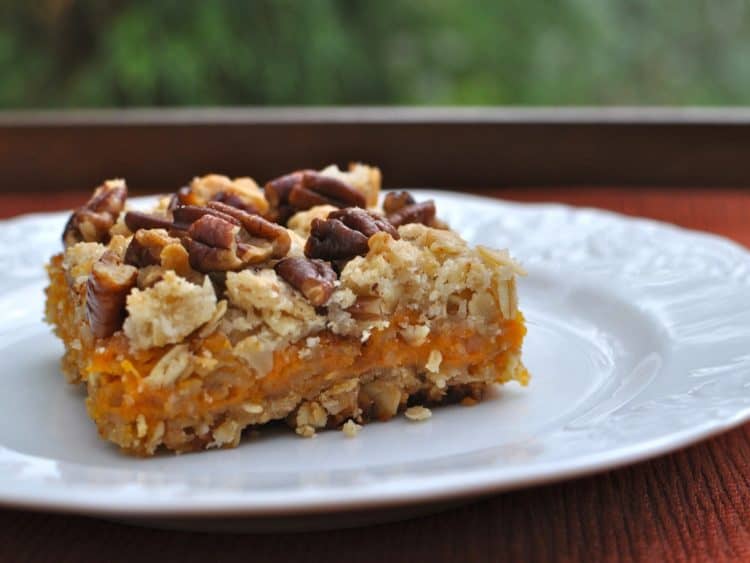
(693,505)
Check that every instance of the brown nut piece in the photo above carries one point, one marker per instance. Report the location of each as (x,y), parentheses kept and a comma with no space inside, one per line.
(332,240)
(186,196)
(318,189)
(146,246)
(92,221)
(205,258)
(304,189)
(212,243)
(313,278)
(183,196)
(222,238)
(233,200)
(136,220)
(107,288)
(423,212)
(366,308)
(397,200)
(139,255)
(186,215)
(261,231)
(277,190)
(215,231)
(365,222)
(344,234)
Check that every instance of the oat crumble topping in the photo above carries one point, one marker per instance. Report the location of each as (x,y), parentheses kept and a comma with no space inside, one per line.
(418,413)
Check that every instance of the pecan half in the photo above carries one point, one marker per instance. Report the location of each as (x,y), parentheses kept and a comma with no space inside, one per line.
(365,222)
(146,246)
(185,196)
(107,288)
(261,231)
(212,242)
(277,190)
(221,237)
(186,215)
(423,212)
(397,200)
(401,208)
(313,278)
(205,258)
(344,234)
(236,201)
(332,240)
(215,231)
(304,189)
(92,221)
(136,220)
(140,256)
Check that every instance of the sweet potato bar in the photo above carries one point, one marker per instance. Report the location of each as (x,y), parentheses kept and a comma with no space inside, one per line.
(228,306)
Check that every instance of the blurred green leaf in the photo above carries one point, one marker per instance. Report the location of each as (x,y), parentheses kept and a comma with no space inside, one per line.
(88,53)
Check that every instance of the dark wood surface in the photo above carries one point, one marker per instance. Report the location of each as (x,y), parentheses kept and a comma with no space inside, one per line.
(475,147)
(693,505)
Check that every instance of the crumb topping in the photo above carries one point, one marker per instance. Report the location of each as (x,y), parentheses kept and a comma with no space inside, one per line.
(167,312)
(351,428)
(418,413)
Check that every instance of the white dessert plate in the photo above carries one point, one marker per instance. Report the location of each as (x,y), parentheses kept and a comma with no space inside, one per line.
(638,344)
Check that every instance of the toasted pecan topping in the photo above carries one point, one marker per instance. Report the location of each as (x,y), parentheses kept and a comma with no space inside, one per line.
(235,201)
(186,215)
(214,231)
(183,196)
(141,254)
(401,208)
(220,237)
(313,278)
(277,193)
(92,221)
(205,258)
(304,189)
(258,228)
(146,246)
(277,190)
(136,220)
(332,240)
(107,288)
(366,308)
(217,236)
(365,222)
(344,234)
(397,200)
(423,212)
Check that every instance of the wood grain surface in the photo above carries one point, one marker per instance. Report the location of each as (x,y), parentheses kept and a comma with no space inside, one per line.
(443,147)
(693,505)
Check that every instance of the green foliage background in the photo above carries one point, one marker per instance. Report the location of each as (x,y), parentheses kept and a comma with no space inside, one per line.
(90,53)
